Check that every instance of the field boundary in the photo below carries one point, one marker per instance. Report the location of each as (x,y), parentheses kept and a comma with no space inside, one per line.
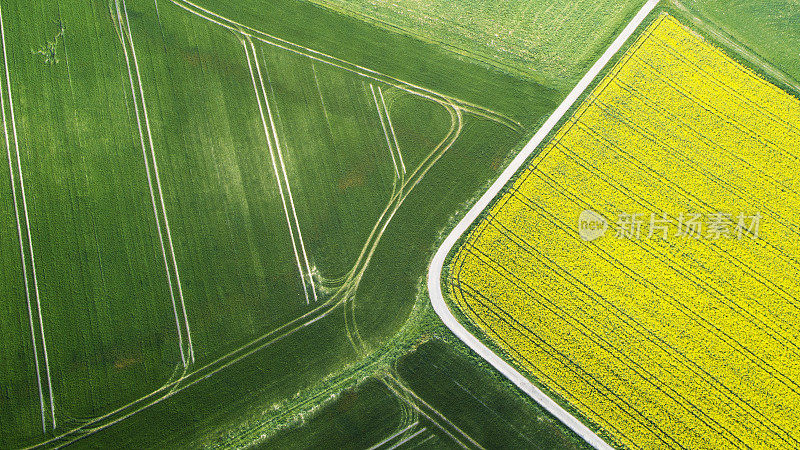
(437,264)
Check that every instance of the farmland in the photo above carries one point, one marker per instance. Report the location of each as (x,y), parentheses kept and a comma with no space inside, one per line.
(764,33)
(218,215)
(202,199)
(447,379)
(477,401)
(541,41)
(649,335)
(170,235)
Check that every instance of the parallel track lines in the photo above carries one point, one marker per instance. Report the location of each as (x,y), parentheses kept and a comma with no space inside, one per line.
(686,61)
(189,378)
(733,121)
(309,272)
(22,254)
(524,361)
(635,326)
(408,438)
(321,99)
(158,184)
(685,272)
(391,128)
(457,105)
(385,132)
(543,344)
(379,444)
(568,363)
(429,412)
(28,226)
(701,135)
(710,176)
(600,341)
(260,97)
(122,35)
(680,305)
(354,277)
(706,207)
(239,28)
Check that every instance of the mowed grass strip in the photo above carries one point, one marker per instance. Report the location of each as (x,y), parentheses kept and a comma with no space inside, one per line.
(681,342)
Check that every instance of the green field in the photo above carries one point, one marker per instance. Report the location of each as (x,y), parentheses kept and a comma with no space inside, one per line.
(479,401)
(230,207)
(356,417)
(543,41)
(100,279)
(457,396)
(765,34)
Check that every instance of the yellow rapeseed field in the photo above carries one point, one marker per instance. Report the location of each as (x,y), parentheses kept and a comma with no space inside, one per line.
(669,314)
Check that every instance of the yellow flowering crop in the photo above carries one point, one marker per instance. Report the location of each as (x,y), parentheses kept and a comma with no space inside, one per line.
(662,339)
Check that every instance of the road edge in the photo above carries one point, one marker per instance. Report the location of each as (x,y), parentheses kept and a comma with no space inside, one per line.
(437,264)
